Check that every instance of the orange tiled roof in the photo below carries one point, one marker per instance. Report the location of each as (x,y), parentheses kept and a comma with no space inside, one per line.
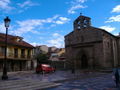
(11,41)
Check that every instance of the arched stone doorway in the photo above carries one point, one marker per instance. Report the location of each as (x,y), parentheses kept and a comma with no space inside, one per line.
(84,61)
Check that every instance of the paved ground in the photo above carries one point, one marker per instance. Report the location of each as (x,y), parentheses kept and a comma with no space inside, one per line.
(56,76)
(80,81)
(103,82)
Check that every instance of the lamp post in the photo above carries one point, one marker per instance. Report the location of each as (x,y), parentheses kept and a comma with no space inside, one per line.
(4,76)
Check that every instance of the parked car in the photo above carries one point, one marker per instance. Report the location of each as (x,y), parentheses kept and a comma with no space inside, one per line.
(44,68)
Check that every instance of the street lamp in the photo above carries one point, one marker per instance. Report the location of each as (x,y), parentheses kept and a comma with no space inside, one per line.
(4,76)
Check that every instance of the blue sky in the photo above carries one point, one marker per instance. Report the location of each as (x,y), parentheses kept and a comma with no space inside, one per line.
(46,22)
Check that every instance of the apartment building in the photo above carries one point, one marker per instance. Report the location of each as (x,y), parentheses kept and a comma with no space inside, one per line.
(19,53)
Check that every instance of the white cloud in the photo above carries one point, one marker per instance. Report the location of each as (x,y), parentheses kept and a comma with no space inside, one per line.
(35,32)
(116,9)
(58,40)
(5,5)
(33,25)
(73,8)
(56,34)
(26,4)
(35,44)
(113,19)
(59,22)
(8,5)
(116,34)
(62,20)
(76,4)
(27,26)
(52,20)
(81,1)
(2,28)
(108,28)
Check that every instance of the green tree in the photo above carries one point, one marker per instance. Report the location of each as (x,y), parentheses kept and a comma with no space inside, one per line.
(42,58)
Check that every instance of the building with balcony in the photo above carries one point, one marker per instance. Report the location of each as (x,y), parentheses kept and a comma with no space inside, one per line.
(19,53)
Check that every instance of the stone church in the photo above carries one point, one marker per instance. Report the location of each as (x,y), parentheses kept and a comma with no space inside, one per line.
(88,47)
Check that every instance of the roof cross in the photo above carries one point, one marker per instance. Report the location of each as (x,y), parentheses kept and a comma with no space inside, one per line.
(80,14)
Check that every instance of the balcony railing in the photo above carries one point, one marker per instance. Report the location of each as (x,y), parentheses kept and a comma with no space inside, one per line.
(22,56)
(1,54)
(16,56)
(28,56)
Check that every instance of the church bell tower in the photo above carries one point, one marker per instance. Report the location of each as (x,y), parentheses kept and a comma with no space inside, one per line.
(82,22)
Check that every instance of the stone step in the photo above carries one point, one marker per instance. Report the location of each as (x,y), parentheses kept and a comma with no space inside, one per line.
(26,85)
(38,87)
(13,82)
(12,85)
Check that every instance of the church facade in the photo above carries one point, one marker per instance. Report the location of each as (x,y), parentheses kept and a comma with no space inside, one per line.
(88,47)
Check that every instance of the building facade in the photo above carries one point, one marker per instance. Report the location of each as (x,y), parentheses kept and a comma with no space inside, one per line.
(56,56)
(90,47)
(19,53)
(41,49)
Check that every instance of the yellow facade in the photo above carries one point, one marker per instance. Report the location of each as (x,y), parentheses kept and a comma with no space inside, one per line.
(11,53)
(62,51)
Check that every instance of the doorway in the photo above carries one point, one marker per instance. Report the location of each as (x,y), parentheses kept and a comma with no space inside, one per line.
(84,62)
